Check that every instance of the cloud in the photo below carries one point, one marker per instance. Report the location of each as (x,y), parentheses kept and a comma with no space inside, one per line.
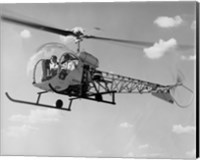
(17,131)
(130,154)
(25,34)
(67,39)
(167,22)
(126,125)
(147,155)
(193,25)
(188,58)
(28,121)
(143,146)
(99,152)
(191,154)
(159,49)
(37,116)
(179,129)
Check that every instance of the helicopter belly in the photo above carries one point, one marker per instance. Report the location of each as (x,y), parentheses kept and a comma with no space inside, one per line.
(56,82)
(73,78)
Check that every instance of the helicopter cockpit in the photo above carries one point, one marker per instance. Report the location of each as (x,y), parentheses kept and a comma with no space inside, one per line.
(53,61)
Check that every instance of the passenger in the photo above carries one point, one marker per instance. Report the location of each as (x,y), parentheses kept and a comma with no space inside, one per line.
(64,66)
(65,61)
(72,65)
(69,62)
(53,66)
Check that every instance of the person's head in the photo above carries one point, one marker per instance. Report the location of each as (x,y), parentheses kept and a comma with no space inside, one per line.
(53,59)
(67,56)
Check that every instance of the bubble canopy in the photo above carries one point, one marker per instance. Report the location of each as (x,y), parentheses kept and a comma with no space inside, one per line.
(46,51)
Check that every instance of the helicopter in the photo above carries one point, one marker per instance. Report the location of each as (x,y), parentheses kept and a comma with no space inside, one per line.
(78,77)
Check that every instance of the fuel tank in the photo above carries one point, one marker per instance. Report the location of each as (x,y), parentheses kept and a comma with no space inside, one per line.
(89,59)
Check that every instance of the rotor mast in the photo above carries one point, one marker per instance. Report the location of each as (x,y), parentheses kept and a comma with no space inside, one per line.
(78,46)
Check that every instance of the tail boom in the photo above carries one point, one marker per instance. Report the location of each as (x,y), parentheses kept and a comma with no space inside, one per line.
(121,84)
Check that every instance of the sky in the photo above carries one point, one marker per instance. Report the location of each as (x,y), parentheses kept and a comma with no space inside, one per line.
(138,125)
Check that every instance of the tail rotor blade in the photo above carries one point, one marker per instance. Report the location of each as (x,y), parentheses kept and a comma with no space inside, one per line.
(182,95)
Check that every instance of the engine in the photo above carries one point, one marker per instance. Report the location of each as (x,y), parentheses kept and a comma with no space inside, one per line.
(89,59)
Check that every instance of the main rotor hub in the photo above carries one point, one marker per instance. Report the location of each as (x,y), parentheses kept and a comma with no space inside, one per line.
(78,32)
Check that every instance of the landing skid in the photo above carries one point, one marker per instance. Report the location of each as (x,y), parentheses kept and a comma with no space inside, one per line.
(57,106)
(59,103)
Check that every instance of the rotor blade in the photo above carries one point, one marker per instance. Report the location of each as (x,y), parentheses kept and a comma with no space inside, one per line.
(140,43)
(38,26)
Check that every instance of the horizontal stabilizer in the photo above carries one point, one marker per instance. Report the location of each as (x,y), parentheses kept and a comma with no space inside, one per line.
(164,96)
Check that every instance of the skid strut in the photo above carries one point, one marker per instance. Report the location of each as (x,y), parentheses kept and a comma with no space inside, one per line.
(97,97)
(94,97)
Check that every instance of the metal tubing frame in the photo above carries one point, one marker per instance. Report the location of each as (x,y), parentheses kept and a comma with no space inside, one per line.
(88,96)
(122,84)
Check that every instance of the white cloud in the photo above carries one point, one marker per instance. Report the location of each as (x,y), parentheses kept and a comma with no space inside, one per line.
(167,22)
(67,39)
(28,121)
(143,146)
(126,125)
(130,154)
(17,131)
(191,154)
(188,58)
(179,129)
(99,152)
(37,116)
(147,155)
(193,25)
(192,57)
(25,33)
(159,49)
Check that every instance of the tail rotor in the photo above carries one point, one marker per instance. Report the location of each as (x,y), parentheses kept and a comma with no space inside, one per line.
(181,94)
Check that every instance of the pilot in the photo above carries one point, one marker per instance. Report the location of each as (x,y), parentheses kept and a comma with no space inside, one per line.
(53,66)
(49,68)
(69,63)
(65,59)
(45,69)
(64,66)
